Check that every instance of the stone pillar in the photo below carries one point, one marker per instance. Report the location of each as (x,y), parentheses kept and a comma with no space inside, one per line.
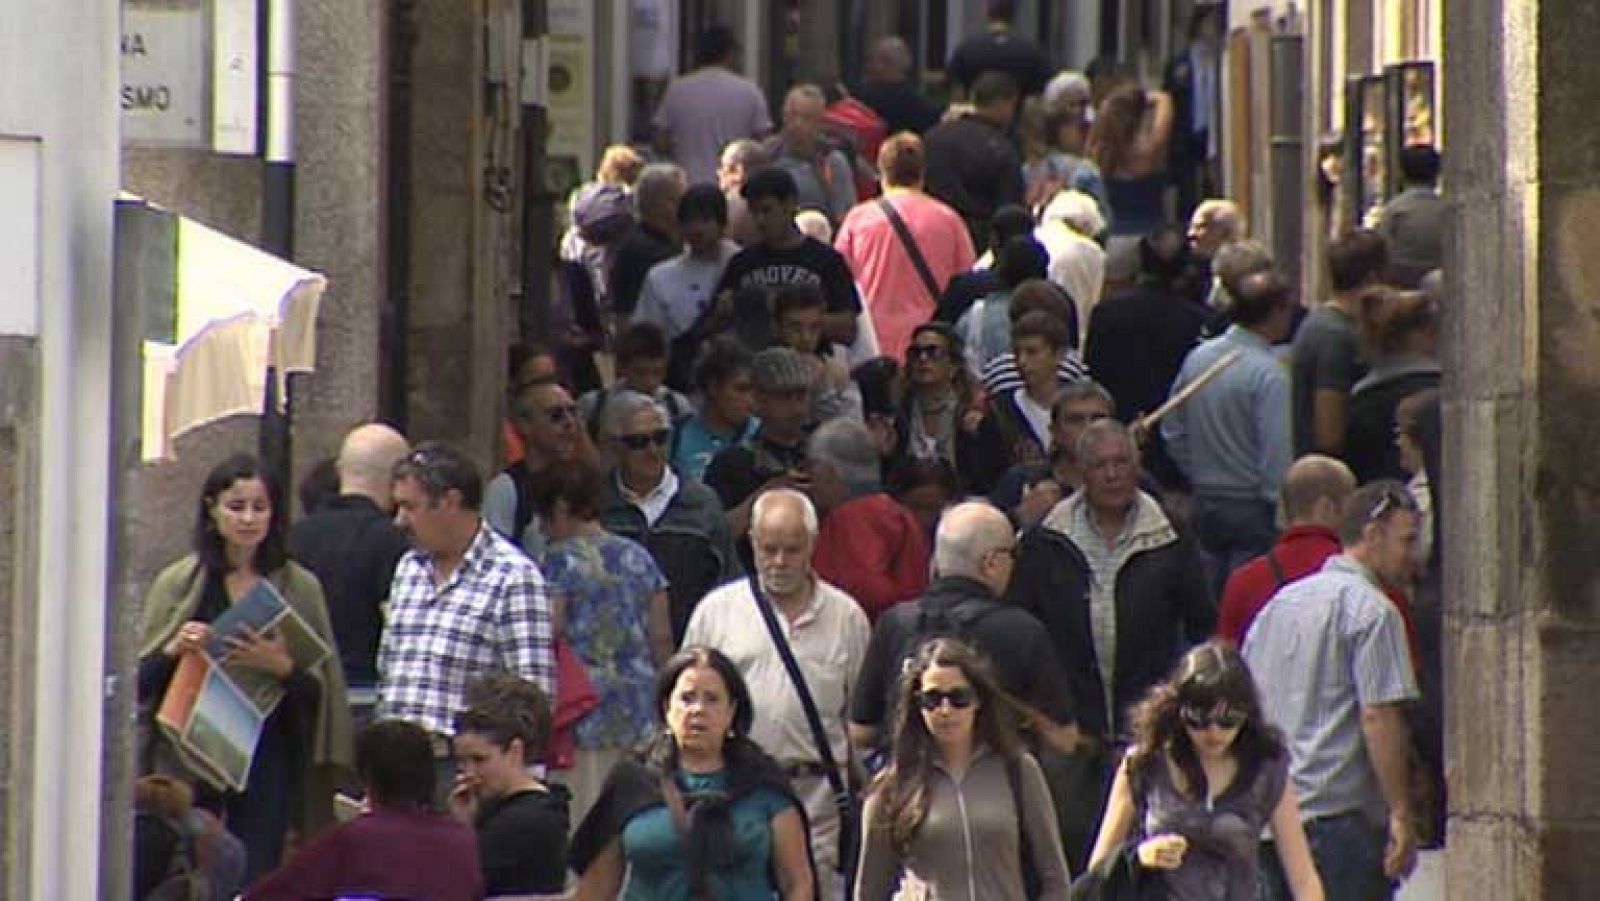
(339,213)
(1522,382)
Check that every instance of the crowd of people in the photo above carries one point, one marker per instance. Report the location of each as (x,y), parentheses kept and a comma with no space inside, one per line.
(951,525)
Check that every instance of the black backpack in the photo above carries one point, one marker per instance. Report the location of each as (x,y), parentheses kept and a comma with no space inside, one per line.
(958,621)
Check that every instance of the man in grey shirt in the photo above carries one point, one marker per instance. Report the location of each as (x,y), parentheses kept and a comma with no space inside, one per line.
(1414,223)
(703,111)
(821,173)
(1329,654)
(1231,439)
(1327,352)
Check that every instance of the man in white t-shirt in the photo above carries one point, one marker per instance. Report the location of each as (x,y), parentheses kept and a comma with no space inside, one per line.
(706,109)
(677,291)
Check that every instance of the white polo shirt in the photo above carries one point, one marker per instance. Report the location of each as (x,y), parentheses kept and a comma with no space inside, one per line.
(829,641)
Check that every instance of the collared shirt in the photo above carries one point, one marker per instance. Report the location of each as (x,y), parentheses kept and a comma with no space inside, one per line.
(1105,561)
(1232,439)
(652,503)
(829,640)
(1321,650)
(491,614)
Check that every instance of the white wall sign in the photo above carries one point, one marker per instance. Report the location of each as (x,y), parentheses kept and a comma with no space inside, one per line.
(235,76)
(164,74)
(19,236)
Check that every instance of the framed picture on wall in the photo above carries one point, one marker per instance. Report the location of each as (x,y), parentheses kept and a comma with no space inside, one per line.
(1412,107)
(1367,163)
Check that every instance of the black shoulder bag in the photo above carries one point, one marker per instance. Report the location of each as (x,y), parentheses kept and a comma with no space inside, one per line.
(912,250)
(843,800)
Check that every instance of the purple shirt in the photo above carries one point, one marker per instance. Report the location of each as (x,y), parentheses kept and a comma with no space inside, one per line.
(705,111)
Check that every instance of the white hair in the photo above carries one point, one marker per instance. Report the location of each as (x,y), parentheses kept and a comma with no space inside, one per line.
(1077,210)
(966,534)
(845,446)
(814,223)
(622,406)
(658,183)
(766,500)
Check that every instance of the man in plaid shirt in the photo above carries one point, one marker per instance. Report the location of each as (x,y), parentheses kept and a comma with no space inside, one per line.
(464,602)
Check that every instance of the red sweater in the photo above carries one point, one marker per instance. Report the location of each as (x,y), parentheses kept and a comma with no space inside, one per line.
(389,853)
(874,550)
(1300,551)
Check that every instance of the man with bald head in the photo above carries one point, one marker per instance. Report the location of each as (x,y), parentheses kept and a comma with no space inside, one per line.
(352,546)
(1313,494)
(827,633)
(973,555)
(886,87)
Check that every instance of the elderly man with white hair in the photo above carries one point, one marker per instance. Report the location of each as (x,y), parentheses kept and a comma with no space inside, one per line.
(824,632)
(869,545)
(1077,264)
(677,519)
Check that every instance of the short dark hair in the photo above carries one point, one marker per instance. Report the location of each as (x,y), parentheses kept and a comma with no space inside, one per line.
(518,355)
(209,545)
(875,379)
(1373,502)
(579,485)
(703,203)
(1355,258)
(1419,164)
(1020,259)
(771,182)
(503,706)
(1039,324)
(798,296)
(1008,222)
(715,44)
(1164,255)
(640,340)
(1259,295)
(319,485)
(1041,295)
(439,467)
(1002,10)
(993,87)
(394,760)
(723,358)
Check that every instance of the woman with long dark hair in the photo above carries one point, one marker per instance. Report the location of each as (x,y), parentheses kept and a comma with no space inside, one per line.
(941,407)
(961,811)
(705,814)
(1205,774)
(1128,141)
(305,743)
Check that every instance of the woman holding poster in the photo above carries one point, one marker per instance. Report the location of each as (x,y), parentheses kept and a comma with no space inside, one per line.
(236,653)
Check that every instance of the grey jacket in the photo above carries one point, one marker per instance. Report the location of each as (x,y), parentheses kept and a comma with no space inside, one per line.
(967,848)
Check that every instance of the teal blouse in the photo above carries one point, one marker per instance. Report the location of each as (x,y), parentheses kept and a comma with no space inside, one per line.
(651,846)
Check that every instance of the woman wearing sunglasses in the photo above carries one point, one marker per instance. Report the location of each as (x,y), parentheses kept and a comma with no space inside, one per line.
(961,811)
(1205,774)
(941,406)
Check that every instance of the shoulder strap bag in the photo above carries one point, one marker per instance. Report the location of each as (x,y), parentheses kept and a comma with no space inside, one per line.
(912,250)
(843,800)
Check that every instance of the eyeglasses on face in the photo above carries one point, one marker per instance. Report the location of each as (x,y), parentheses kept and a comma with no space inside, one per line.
(960,698)
(643,440)
(933,353)
(560,413)
(1199,719)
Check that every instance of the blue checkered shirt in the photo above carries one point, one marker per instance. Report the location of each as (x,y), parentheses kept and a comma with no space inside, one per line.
(491,614)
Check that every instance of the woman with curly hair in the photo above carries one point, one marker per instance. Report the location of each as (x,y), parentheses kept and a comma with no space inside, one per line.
(961,811)
(705,814)
(1205,774)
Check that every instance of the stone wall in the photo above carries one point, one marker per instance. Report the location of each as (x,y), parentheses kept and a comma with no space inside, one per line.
(1522,379)
(19,360)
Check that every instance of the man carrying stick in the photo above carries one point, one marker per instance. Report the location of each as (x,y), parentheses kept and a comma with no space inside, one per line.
(1233,439)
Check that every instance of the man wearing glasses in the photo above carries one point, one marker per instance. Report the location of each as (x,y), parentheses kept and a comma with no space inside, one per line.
(1330,657)
(464,602)
(679,520)
(552,434)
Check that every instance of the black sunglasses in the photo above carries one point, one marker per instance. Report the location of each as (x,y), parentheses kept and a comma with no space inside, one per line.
(961,698)
(561,413)
(659,438)
(1200,719)
(931,352)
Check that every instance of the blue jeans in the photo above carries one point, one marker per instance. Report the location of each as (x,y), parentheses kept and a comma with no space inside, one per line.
(1348,852)
(1232,532)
